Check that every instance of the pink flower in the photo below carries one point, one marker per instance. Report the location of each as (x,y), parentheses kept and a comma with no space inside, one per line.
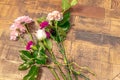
(18,28)
(13,27)
(13,35)
(29,45)
(22,19)
(21,28)
(44,24)
(55,15)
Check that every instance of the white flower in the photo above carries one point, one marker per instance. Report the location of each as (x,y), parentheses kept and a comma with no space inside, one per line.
(55,15)
(41,34)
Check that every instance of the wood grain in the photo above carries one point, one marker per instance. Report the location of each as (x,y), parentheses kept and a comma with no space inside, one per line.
(93,41)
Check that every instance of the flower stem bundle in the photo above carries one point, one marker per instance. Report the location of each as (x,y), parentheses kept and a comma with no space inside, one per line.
(39,47)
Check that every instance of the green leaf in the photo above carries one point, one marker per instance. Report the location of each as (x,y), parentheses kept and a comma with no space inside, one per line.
(24,66)
(65,5)
(66,26)
(25,55)
(41,46)
(48,44)
(74,2)
(41,59)
(39,20)
(33,73)
(34,47)
(66,18)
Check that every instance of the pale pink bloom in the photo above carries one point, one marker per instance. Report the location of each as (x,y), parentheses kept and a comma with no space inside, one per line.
(13,35)
(55,15)
(13,27)
(21,28)
(25,19)
(17,26)
(50,17)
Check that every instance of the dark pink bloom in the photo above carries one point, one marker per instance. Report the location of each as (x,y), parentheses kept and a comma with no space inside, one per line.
(29,45)
(48,34)
(44,24)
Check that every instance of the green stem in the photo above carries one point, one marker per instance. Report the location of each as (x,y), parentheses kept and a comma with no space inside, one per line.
(62,50)
(22,40)
(31,37)
(56,62)
(54,73)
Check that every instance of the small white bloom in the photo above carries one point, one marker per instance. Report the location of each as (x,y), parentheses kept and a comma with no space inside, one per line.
(41,34)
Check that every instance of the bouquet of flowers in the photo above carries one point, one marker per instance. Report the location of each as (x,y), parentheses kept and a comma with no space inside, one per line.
(39,52)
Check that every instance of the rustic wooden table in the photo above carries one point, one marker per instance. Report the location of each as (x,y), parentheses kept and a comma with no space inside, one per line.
(93,41)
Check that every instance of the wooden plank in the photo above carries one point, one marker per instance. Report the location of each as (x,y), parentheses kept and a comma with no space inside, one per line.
(93,40)
(115,4)
(98,3)
(88,11)
(91,24)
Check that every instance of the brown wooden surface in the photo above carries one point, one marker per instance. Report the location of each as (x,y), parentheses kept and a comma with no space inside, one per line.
(93,41)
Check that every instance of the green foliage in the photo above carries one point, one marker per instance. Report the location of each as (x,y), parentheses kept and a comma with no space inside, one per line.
(32,75)
(66,18)
(74,2)
(24,66)
(65,5)
(28,60)
(48,44)
(34,47)
(65,24)
(62,28)
(41,59)
(39,55)
(25,55)
(40,46)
